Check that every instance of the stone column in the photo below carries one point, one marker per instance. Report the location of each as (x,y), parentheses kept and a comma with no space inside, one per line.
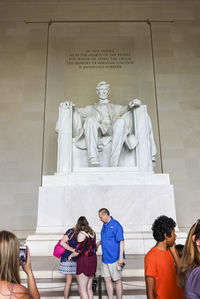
(64,155)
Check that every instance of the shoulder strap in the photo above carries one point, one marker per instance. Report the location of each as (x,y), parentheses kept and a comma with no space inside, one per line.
(92,236)
(11,291)
(71,236)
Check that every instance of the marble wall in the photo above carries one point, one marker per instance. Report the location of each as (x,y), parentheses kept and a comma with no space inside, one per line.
(177,64)
(22,93)
(23,48)
(70,78)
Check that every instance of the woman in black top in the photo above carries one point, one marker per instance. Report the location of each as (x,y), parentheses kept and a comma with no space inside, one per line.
(68,267)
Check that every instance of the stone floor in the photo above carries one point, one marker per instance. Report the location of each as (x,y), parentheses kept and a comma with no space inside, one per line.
(51,283)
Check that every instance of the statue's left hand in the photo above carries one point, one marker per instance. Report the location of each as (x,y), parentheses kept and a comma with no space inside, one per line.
(134,103)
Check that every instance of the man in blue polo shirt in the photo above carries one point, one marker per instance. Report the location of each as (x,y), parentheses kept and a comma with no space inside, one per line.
(112,243)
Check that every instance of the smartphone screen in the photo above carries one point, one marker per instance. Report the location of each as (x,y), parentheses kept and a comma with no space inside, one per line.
(22,254)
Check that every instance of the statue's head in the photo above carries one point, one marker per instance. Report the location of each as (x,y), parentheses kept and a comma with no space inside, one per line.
(103,89)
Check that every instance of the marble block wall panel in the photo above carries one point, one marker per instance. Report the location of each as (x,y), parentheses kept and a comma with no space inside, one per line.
(136,207)
(22,80)
(177,66)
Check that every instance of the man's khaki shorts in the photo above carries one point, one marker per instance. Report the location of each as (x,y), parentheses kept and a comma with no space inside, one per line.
(110,270)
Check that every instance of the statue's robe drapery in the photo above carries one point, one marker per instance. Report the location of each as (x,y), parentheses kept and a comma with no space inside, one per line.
(115,112)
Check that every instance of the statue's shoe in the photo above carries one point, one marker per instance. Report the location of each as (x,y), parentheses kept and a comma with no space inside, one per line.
(94,163)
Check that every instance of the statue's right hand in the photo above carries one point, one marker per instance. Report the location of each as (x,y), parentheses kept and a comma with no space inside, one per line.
(66,105)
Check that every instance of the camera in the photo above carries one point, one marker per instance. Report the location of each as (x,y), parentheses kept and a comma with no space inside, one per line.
(23,254)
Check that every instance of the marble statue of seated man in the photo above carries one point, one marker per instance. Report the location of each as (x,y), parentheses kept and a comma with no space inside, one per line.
(97,125)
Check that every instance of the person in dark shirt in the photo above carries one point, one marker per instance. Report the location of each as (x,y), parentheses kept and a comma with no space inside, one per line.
(68,267)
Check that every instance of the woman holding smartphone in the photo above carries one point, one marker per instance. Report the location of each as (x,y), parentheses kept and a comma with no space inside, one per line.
(10,283)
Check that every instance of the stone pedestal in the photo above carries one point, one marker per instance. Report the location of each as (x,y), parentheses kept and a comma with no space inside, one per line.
(135,199)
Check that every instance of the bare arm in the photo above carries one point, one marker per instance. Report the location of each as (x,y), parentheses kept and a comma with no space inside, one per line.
(98,244)
(32,287)
(150,285)
(176,257)
(64,244)
(80,238)
(72,255)
(121,251)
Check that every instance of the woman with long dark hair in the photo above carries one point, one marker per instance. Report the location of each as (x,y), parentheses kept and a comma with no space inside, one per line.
(86,257)
(189,274)
(10,283)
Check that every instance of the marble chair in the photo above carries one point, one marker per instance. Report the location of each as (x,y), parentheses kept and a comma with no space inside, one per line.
(70,158)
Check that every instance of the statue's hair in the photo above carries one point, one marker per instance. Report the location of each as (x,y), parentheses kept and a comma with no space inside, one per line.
(191,257)
(102,83)
(9,257)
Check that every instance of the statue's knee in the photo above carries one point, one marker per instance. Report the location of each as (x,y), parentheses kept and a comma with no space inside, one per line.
(89,122)
(120,122)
